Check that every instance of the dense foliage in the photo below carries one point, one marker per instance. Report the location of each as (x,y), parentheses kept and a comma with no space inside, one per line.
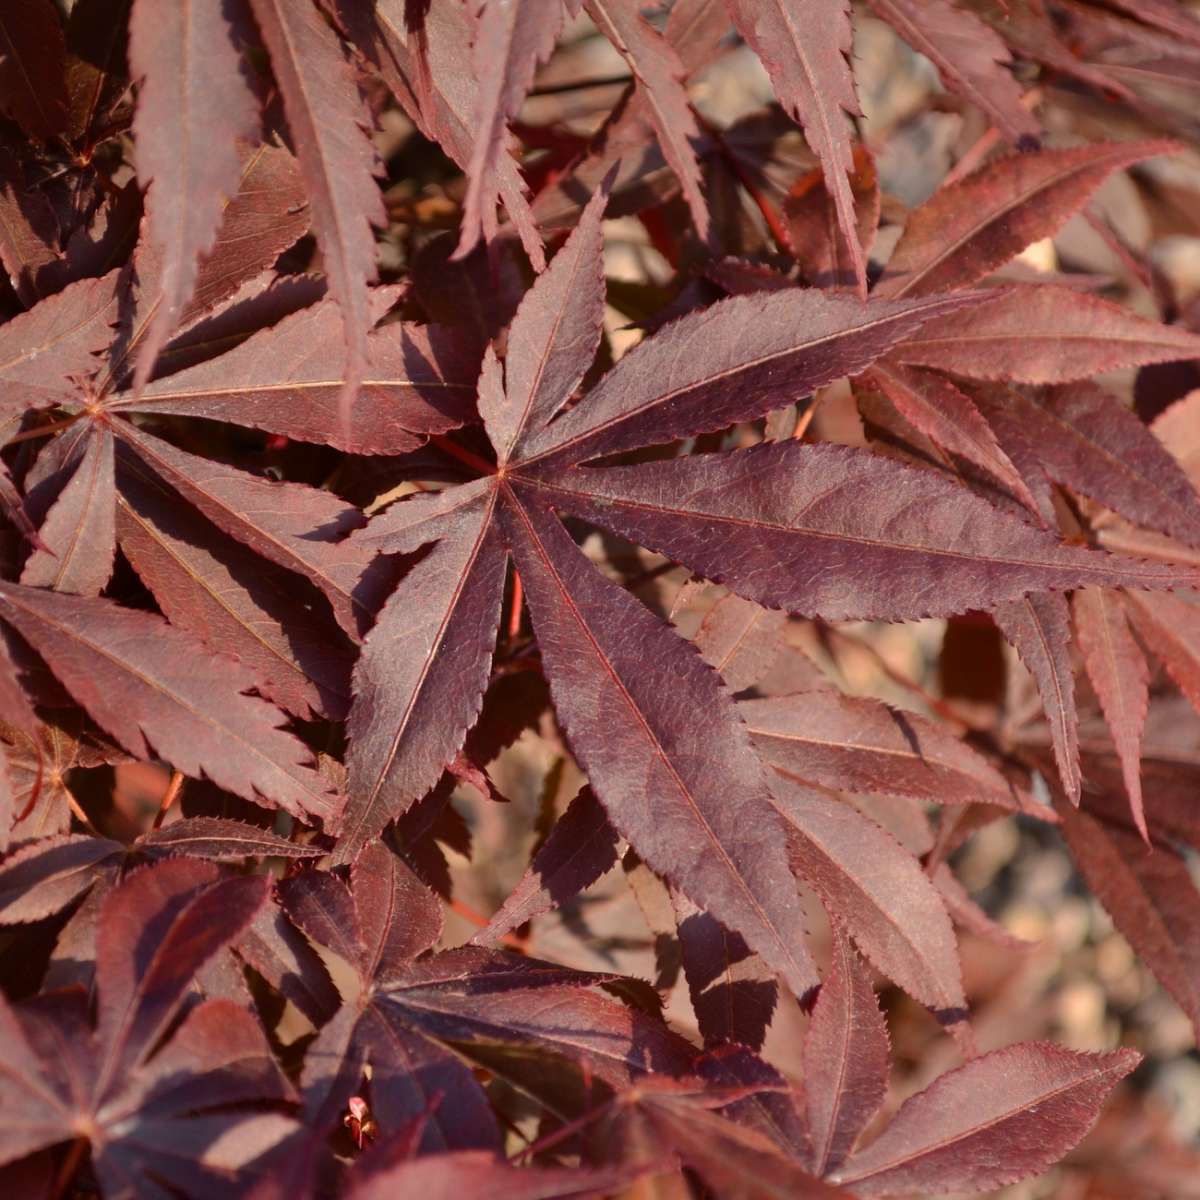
(346,496)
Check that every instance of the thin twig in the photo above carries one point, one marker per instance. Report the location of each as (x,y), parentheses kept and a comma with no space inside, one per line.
(44,430)
(580,85)
(468,457)
(69,1168)
(169,797)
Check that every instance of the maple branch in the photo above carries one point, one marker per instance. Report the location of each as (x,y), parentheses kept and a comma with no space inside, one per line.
(69,1168)
(514,612)
(44,430)
(983,146)
(481,922)
(465,456)
(579,85)
(774,223)
(169,797)
(935,703)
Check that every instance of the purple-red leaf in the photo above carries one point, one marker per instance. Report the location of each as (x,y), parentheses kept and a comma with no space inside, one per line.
(155,688)
(965,230)
(786,525)
(1170,628)
(1089,441)
(328,125)
(32,62)
(478,1173)
(78,535)
(740,640)
(194,103)
(938,409)
(42,350)
(287,379)
(856,744)
(419,682)
(218,838)
(510,40)
(552,339)
(156,931)
(616,674)
(875,888)
(1044,335)
(1039,628)
(659,73)
(733,992)
(732,362)
(846,1060)
(42,877)
(231,599)
(1001,1117)
(581,848)
(971,59)
(288,523)
(1117,668)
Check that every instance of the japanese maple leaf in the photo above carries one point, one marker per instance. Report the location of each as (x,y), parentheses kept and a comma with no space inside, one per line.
(785,525)
(413,1018)
(154,1112)
(105,480)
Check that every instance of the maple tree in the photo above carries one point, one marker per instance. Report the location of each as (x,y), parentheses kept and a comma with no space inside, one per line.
(447,585)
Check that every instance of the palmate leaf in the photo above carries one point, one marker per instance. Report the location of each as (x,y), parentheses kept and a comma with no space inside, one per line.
(965,230)
(855,744)
(659,72)
(109,1084)
(417,1018)
(234,601)
(1039,627)
(1045,335)
(423,69)
(846,1060)
(581,848)
(474,1173)
(1119,673)
(287,380)
(639,709)
(43,349)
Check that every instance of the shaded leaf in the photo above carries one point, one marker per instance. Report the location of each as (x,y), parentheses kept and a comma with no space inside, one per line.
(32,60)
(153,686)
(581,848)
(192,88)
(805,47)
(1118,671)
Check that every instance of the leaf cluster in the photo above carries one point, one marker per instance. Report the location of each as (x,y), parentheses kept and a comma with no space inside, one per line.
(320,515)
